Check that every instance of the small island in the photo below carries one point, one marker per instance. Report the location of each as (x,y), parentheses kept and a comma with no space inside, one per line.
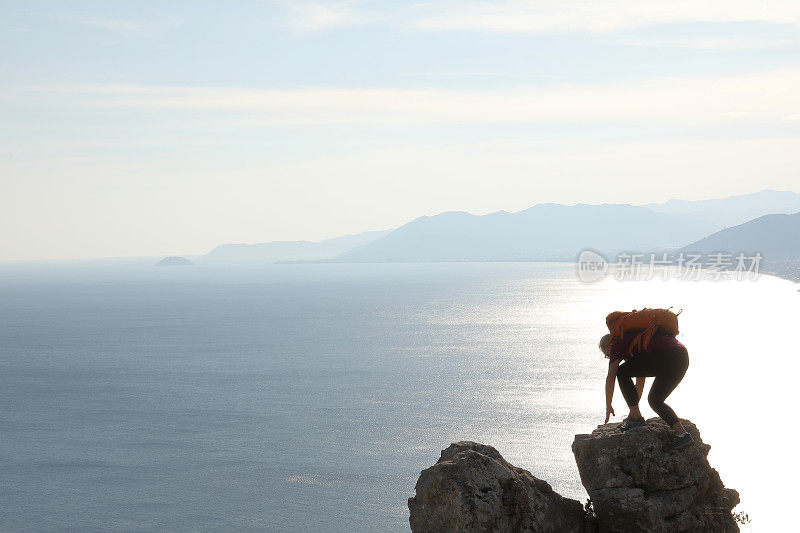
(174,261)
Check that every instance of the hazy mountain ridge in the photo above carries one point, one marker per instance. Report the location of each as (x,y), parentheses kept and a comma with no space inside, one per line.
(543,232)
(776,237)
(292,250)
(733,210)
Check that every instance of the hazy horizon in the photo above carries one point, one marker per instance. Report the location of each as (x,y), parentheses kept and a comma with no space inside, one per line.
(203,253)
(147,130)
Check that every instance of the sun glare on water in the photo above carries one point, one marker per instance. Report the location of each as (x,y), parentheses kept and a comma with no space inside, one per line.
(739,390)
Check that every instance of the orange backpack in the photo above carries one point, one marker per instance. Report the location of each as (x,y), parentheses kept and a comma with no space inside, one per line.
(649,321)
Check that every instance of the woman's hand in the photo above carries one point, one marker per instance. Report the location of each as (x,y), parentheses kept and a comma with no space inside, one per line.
(610,379)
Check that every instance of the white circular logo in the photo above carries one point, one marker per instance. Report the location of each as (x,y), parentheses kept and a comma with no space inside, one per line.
(591,266)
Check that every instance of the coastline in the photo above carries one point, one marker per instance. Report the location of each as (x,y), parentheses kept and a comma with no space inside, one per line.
(788,269)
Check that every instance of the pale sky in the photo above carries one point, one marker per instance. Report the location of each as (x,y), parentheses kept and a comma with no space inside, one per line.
(156,128)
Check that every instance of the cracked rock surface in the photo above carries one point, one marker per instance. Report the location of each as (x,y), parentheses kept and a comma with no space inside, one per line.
(472,488)
(636,484)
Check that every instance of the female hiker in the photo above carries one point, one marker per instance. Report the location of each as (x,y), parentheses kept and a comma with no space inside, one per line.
(664,359)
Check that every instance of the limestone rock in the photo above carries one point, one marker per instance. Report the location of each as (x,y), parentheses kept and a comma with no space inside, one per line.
(471,488)
(635,484)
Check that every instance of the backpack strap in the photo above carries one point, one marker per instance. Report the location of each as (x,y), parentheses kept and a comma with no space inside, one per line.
(642,340)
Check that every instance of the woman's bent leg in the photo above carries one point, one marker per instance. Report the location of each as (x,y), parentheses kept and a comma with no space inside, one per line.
(673,367)
(661,388)
(625,374)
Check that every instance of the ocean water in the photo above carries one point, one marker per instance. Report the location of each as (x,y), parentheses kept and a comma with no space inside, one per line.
(309,397)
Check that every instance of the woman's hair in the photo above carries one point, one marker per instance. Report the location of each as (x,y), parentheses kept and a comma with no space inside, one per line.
(603,344)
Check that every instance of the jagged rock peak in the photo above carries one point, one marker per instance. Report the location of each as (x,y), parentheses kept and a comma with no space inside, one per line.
(636,484)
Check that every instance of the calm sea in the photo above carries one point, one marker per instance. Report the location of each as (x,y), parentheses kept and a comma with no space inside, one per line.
(309,397)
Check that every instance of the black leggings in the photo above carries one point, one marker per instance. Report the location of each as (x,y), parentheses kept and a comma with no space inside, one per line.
(667,366)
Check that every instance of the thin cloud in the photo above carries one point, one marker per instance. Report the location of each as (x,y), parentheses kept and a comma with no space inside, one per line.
(704,43)
(149,21)
(768,96)
(596,16)
(530,16)
(105,23)
(306,16)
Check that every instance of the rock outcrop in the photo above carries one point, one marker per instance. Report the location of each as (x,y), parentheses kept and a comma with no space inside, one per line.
(635,484)
(472,488)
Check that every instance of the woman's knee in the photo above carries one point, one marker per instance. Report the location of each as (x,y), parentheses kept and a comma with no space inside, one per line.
(655,400)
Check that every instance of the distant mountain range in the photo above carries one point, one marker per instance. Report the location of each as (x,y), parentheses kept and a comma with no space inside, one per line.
(271,252)
(734,210)
(544,232)
(776,237)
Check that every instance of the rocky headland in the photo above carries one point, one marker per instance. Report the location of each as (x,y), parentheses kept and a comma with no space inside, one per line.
(634,483)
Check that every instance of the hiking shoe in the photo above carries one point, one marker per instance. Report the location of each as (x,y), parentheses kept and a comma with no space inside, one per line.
(631,423)
(676,443)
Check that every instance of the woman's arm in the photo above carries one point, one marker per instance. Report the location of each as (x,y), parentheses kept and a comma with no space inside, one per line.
(610,379)
(640,386)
